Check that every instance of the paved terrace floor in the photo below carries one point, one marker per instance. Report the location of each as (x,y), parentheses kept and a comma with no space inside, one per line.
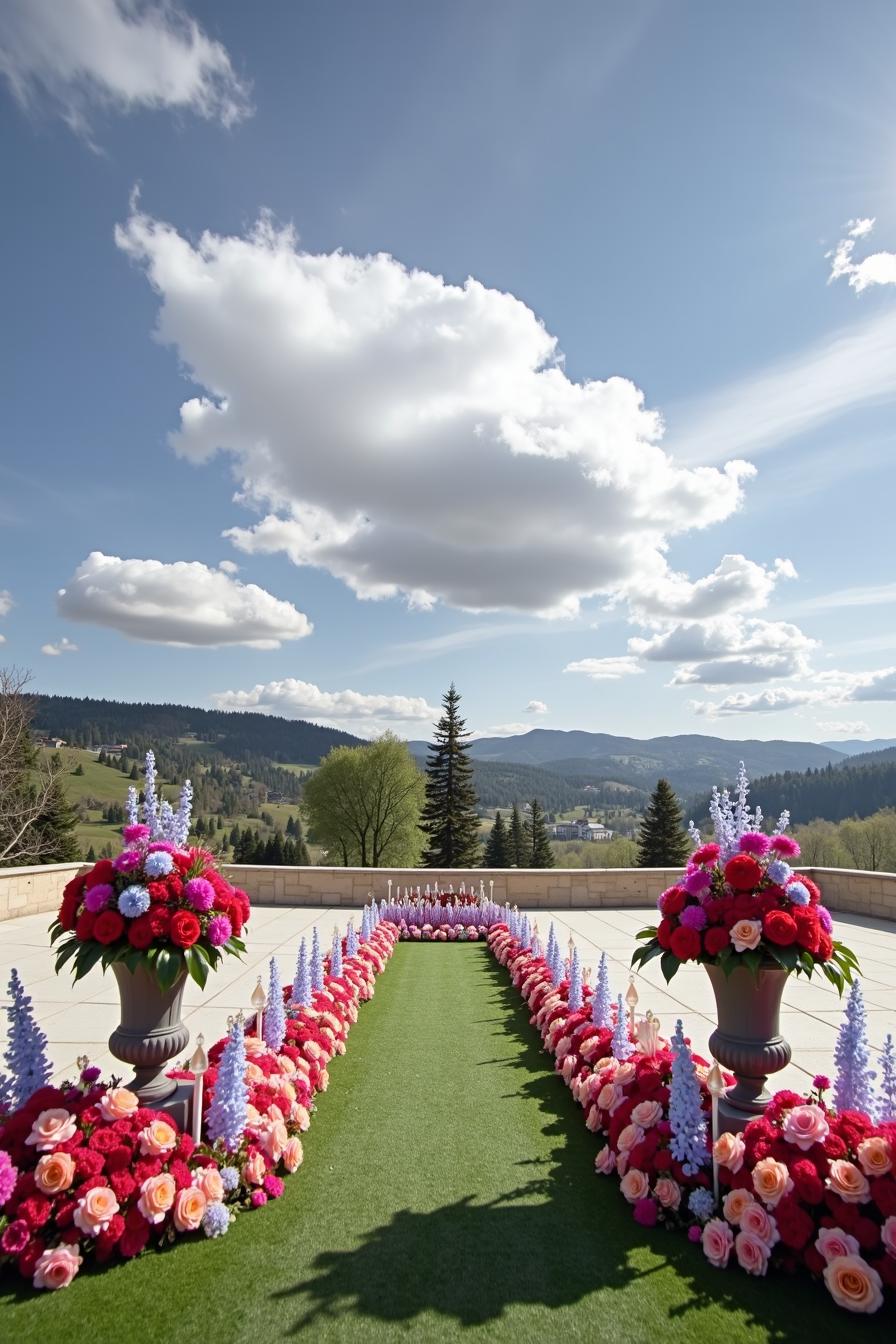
(78,1018)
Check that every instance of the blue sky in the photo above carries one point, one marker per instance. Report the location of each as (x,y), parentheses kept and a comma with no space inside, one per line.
(423,481)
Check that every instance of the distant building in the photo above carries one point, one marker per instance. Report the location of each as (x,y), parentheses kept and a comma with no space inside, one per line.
(54,742)
(112,748)
(580,830)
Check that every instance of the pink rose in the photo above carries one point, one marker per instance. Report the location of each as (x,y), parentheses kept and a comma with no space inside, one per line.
(832,1243)
(157,1197)
(735,1203)
(293,1154)
(847,1181)
(118,1104)
(56,1268)
(50,1129)
(647,1114)
(717,1240)
(254,1169)
(189,1207)
(771,1181)
(273,1138)
(625,1074)
(157,1139)
(668,1192)
(635,1185)
(875,1156)
(728,1151)
(745,936)
(752,1253)
(759,1223)
(805,1125)
(208,1180)
(609,1097)
(853,1284)
(605,1162)
(298,1114)
(95,1210)
(629,1138)
(621,1164)
(54,1173)
(888,1235)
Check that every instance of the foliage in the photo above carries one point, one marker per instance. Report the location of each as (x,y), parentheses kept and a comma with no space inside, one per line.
(449,818)
(497,849)
(662,840)
(517,840)
(36,823)
(540,854)
(364,805)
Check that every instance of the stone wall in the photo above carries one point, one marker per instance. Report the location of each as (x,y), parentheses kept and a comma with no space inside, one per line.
(27,891)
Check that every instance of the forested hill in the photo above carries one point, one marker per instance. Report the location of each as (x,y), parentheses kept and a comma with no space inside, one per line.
(91,723)
(832,793)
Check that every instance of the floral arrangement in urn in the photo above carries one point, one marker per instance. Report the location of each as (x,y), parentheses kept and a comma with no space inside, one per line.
(740,903)
(160,904)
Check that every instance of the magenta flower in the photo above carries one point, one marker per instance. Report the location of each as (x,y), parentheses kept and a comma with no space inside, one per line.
(134,834)
(8,1177)
(694,917)
(219,930)
(821,1083)
(755,843)
(98,897)
(274,1186)
(646,1212)
(785,846)
(15,1237)
(258,1198)
(824,918)
(694,1233)
(200,893)
(697,882)
(127,861)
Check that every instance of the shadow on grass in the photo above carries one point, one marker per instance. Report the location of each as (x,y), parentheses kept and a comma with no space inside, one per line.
(551,1241)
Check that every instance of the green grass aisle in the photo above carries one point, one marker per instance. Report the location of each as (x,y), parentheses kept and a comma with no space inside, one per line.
(447,1192)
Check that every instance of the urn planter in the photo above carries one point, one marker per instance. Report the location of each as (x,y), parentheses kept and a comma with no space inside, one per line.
(150,1033)
(748,1041)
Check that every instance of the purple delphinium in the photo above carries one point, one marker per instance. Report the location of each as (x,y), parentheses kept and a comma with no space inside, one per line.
(600,1000)
(693,917)
(274,1027)
(854,1082)
(200,893)
(688,1145)
(701,1203)
(150,801)
(98,897)
(575,982)
(351,940)
(216,1219)
(26,1059)
(226,1120)
(317,962)
(620,1045)
(336,955)
(180,831)
(301,985)
(219,930)
(886,1101)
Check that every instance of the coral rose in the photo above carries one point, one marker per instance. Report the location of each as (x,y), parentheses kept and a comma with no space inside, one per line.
(875,1156)
(668,1192)
(833,1242)
(888,1235)
(647,1114)
(254,1169)
(846,1180)
(717,1239)
(805,1125)
(157,1196)
(605,1162)
(96,1210)
(772,1181)
(118,1103)
(190,1205)
(728,1151)
(735,1203)
(745,935)
(635,1185)
(752,1253)
(54,1173)
(759,1223)
(52,1128)
(853,1284)
(56,1268)
(208,1180)
(293,1154)
(274,1138)
(157,1139)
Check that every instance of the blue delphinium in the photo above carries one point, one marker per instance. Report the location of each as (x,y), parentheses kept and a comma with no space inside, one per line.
(688,1145)
(301,985)
(600,1001)
(351,940)
(226,1120)
(620,1045)
(26,1051)
(150,801)
(575,982)
(525,934)
(549,947)
(230,1179)
(886,1101)
(317,962)
(158,864)
(274,1024)
(336,955)
(702,1203)
(216,1219)
(133,901)
(854,1082)
(182,818)
(132,807)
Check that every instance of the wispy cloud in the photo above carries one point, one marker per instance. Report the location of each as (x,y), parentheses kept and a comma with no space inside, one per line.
(868,595)
(468,637)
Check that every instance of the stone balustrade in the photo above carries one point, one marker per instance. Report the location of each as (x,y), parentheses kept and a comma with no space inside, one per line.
(28,891)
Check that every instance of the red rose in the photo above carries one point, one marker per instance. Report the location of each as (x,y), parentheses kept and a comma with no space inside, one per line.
(779,928)
(742,872)
(664,934)
(794,1224)
(140,932)
(685,943)
(109,927)
(108,1239)
(27,1261)
(103,871)
(714,940)
(808,929)
(185,928)
(71,899)
(85,927)
(672,901)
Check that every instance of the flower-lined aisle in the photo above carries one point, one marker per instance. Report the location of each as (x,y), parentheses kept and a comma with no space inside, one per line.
(802,1187)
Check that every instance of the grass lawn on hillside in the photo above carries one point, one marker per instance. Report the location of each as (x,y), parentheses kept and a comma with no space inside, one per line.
(447,1193)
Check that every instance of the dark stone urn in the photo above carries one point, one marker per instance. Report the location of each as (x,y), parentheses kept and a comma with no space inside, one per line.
(150,1032)
(748,1041)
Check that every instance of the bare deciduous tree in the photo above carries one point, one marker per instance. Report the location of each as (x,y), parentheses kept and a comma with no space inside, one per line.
(28,779)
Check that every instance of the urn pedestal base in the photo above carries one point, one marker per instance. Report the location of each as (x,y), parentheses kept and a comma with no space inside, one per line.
(748,1041)
(150,1034)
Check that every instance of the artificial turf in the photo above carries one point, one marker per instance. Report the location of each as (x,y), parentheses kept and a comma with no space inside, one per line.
(448,1192)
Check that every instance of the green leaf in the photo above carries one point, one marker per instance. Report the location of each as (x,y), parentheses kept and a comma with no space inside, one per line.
(753,959)
(646,933)
(89,954)
(169,965)
(197,968)
(669,964)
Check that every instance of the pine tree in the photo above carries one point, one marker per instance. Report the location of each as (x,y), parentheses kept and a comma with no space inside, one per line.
(662,839)
(497,849)
(449,817)
(91,855)
(517,840)
(56,827)
(133,773)
(234,837)
(541,854)
(79,769)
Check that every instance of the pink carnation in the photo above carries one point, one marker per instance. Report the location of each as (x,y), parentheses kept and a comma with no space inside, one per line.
(785,847)
(755,843)
(98,897)
(132,835)
(127,861)
(200,893)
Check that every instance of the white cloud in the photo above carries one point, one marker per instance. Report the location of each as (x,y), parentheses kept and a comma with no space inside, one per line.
(827,688)
(605,669)
(303,700)
(880,685)
(501,730)
(843,727)
(63,646)
(184,603)
(536,707)
(728,649)
(764,702)
(6,602)
(878,269)
(229,566)
(125,54)
(736,584)
(411,436)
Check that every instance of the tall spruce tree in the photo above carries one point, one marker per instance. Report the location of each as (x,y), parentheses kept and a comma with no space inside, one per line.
(303,858)
(449,818)
(662,839)
(497,849)
(541,853)
(516,840)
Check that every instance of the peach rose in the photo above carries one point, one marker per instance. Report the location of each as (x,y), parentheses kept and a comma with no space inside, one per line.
(54,1173)
(118,1104)
(629,1138)
(323,1081)
(734,1204)
(56,1268)
(157,1197)
(592,1120)
(253,1117)
(635,1185)
(621,1164)
(717,1239)
(771,1181)
(274,1112)
(189,1208)
(605,1162)
(832,1243)
(254,1169)
(728,1151)
(759,1223)
(95,1210)
(875,1156)
(853,1284)
(668,1192)
(625,1074)
(608,1068)
(847,1181)
(805,1125)
(647,1114)
(745,936)
(298,1114)
(293,1155)
(157,1139)
(609,1097)
(752,1253)
(208,1180)
(255,1046)
(51,1128)
(274,1139)
(287,1065)
(888,1235)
